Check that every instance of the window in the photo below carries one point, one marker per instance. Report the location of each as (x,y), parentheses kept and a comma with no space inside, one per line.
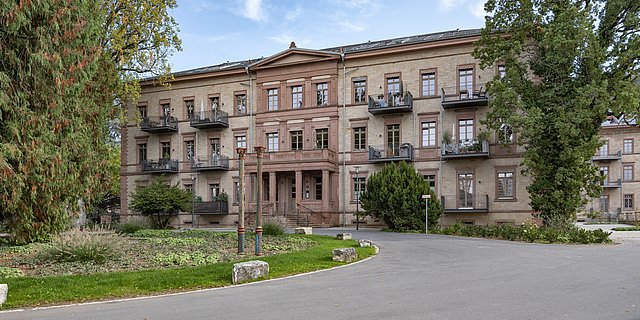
(322,139)
(429,134)
(628,146)
(142,152)
(296,140)
(318,188)
(628,202)
(359,138)
(393,86)
(241,104)
(189,150)
(272,142)
(465,81)
(214,191)
(604,171)
(604,149)
(627,172)
(189,188)
(393,140)
(166,110)
(190,109)
(505,185)
(359,184)
(322,94)
(215,103)
(505,134)
(143,111)
(360,91)
(214,144)
(272,99)
(428,84)
(241,141)
(166,150)
(465,130)
(431,180)
(604,203)
(236,192)
(502,71)
(296,97)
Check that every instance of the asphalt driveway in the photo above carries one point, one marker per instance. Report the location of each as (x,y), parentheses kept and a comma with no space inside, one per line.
(416,277)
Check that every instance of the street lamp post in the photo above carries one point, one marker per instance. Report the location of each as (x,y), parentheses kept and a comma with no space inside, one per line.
(259,154)
(241,155)
(193,201)
(426,212)
(357,197)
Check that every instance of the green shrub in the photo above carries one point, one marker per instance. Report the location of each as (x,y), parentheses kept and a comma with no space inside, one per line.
(95,246)
(273,227)
(529,233)
(132,225)
(626,229)
(7,272)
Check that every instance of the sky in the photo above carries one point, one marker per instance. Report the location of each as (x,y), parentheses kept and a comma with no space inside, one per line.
(217,31)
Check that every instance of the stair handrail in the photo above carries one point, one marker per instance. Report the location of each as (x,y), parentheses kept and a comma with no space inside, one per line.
(310,213)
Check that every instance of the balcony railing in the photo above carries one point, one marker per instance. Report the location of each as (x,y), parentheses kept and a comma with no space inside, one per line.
(210,119)
(159,124)
(607,157)
(456,97)
(212,207)
(394,103)
(160,166)
(404,152)
(465,149)
(215,162)
(612,184)
(306,155)
(465,202)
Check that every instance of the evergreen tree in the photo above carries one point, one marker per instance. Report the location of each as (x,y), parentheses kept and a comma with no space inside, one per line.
(567,63)
(394,195)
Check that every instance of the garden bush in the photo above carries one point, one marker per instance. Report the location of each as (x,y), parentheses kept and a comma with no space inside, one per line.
(529,233)
(95,246)
(7,272)
(273,227)
(626,229)
(132,225)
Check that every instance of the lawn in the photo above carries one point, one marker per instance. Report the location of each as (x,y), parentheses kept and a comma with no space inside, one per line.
(186,264)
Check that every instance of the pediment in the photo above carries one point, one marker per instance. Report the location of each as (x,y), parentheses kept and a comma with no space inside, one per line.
(294,56)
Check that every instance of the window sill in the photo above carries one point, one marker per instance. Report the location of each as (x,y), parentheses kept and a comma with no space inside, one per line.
(505,200)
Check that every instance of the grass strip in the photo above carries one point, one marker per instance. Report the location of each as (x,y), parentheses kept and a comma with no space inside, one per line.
(39,291)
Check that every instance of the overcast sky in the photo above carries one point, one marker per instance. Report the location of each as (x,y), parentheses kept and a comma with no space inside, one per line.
(216,31)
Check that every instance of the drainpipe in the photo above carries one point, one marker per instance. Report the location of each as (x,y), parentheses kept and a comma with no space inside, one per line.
(344,135)
(250,106)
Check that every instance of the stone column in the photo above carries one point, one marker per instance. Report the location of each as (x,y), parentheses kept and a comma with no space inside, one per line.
(299,190)
(325,191)
(272,190)
(259,154)
(241,155)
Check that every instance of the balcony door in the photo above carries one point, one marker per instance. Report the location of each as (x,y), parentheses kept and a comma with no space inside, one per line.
(214,144)
(465,190)
(393,140)
(465,131)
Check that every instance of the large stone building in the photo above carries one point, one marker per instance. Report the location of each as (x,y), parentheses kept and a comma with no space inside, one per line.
(329,119)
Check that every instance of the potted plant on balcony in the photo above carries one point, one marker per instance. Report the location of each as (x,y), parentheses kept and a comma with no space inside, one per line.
(222,197)
(446,137)
(166,159)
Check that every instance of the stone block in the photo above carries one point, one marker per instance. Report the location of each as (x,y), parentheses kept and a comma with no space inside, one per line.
(344,236)
(245,271)
(365,243)
(4,289)
(345,254)
(303,230)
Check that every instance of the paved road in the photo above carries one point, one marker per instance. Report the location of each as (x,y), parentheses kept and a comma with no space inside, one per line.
(417,277)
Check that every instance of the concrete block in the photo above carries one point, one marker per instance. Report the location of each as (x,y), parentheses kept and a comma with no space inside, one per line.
(344,236)
(345,254)
(245,271)
(4,289)
(303,230)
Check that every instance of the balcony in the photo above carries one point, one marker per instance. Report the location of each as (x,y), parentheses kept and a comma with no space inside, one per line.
(308,155)
(382,154)
(454,97)
(612,184)
(160,166)
(212,207)
(465,149)
(395,103)
(213,163)
(159,124)
(605,156)
(465,203)
(210,119)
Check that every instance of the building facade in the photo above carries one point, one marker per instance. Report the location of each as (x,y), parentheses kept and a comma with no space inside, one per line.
(329,119)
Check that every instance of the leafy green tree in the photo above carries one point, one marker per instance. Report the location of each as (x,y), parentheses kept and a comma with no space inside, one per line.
(64,64)
(567,63)
(394,195)
(160,200)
